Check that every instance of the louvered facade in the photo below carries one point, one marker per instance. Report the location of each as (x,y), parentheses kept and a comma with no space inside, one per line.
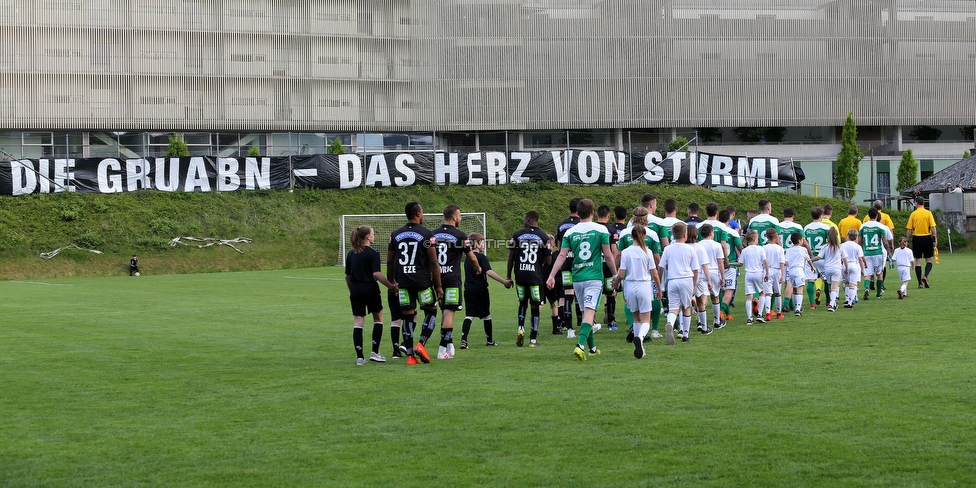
(429,66)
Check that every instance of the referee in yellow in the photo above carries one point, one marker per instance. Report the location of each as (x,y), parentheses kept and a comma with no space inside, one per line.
(921,230)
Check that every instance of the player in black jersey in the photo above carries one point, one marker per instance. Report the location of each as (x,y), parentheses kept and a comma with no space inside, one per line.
(529,251)
(564,280)
(452,245)
(603,217)
(411,264)
(476,291)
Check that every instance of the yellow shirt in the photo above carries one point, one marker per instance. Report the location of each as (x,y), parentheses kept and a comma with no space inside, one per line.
(830,224)
(885,219)
(921,222)
(848,223)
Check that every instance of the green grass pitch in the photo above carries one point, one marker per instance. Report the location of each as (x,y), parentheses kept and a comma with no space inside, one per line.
(249,379)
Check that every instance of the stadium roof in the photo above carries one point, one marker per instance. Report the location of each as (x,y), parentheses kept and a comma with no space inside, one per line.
(962,172)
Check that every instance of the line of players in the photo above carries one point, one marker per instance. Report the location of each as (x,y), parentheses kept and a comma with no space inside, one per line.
(424,271)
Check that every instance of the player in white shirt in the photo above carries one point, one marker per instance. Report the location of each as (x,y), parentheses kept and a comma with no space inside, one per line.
(833,266)
(716,273)
(642,285)
(798,263)
(854,266)
(680,261)
(904,258)
(704,284)
(776,257)
(753,259)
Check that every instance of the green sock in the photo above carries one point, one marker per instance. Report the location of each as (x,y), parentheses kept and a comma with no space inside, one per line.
(655,314)
(811,290)
(725,308)
(867,284)
(629,315)
(586,330)
(590,343)
(787,303)
(879,284)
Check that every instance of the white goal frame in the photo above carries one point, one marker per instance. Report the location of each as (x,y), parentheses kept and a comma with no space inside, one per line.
(384,224)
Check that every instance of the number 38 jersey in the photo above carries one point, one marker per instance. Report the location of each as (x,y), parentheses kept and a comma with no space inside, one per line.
(586,241)
(452,245)
(531,247)
(409,245)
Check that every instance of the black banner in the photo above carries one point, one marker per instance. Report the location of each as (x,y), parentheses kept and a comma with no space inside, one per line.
(347,171)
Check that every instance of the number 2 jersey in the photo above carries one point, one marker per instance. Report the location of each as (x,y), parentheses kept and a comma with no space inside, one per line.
(451,246)
(409,245)
(531,247)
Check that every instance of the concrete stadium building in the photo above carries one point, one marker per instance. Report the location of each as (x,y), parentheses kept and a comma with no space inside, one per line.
(758,77)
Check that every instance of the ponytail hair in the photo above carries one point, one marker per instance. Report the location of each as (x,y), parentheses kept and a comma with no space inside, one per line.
(833,239)
(359,236)
(639,232)
(640,216)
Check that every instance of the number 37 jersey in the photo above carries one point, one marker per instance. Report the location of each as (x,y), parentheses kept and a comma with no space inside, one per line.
(531,247)
(409,245)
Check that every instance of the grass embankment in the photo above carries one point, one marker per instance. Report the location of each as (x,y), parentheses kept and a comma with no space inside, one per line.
(289,230)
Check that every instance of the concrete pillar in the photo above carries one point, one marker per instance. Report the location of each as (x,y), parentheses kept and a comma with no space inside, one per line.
(898,139)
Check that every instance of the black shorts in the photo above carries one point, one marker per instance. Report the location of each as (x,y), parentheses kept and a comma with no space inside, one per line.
(478,303)
(394,300)
(452,298)
(552,296)
(530,294)
(923,247)
(365,299)
(411,299)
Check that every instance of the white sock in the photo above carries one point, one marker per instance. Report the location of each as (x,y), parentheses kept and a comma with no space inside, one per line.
(685,324)
(672,318)
(766,304)
(701,317)
(748,310)
(833,298)
(716,311)
(798,301)
(644,328)
(779,304)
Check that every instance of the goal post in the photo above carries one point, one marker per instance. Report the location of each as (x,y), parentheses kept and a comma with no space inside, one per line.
(384,224)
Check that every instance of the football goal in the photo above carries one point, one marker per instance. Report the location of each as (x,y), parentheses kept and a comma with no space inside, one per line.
(384,224)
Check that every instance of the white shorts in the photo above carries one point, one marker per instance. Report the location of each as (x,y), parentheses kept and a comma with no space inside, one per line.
(875,265)
(772,286)
(833,275)
(588,293)
(853,276)
(680,291)
(819,273)
(731,279)
(796,277)
(639,295)
(716,282)
(905,273)
(754,283)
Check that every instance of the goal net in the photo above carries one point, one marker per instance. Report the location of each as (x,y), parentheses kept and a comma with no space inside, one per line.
(384,224)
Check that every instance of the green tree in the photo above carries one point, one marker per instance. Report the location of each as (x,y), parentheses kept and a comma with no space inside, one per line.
(849,159)
(177,146)
(907,171)
(336,147)
(679,143)
(254,152)
(965,154)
